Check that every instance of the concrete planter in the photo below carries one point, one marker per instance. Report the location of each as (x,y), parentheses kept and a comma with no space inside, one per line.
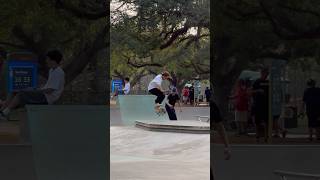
(69,142)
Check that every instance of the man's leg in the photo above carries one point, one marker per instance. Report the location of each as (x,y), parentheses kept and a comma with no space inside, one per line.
(25,97)
(10,105)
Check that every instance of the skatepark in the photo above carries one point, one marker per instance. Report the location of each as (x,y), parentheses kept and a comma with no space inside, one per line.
(161,149)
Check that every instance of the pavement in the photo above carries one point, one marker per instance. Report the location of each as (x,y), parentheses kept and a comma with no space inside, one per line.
(144,155)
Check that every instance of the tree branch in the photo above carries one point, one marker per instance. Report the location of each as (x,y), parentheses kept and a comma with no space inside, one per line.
(81,13)
(140,65)
(287,32)
(12,45)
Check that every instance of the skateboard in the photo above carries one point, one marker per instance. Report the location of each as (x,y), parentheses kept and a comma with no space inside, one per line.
(161,112)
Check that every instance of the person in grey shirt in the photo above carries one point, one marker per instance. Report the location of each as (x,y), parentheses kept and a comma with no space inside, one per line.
(48,94)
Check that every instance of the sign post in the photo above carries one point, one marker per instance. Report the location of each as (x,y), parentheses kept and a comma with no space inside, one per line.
(22,71)
(116,85)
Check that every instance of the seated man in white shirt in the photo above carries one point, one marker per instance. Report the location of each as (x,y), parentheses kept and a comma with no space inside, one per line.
(49,94)
(126,88)
(156,89)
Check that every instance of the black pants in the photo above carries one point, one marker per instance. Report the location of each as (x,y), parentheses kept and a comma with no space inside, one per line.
(160,95)
(171,113)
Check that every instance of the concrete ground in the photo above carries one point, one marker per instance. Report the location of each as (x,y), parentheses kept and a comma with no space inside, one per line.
(137,154)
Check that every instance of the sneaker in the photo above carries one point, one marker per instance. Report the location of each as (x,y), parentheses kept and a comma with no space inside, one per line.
(3,117)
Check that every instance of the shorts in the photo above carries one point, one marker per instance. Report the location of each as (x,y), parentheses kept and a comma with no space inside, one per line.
(185,98)
(241,116)
(32,97)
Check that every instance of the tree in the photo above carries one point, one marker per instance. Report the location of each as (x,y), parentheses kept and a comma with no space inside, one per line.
(162,34)
(78,28)
(244,32)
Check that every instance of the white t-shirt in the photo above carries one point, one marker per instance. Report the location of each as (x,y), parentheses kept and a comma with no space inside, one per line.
(56,82)
(126,88)
(155,83)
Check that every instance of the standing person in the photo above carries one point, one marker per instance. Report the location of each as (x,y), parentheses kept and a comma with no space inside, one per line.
(191,94)
(172,98)
(260,104)
(241,97)
(49,94)
(217,124)
(126,88)
(311,99)
(156,89)
(185,94)
(207,92)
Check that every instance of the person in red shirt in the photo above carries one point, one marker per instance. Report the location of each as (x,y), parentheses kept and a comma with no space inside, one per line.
(185,94)
(241,103)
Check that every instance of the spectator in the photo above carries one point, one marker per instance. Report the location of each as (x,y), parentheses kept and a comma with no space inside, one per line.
(185,94)
(311,99)
(241,97)
(207,92)
(260,92)
(49,94)
(126,88)
(191,94)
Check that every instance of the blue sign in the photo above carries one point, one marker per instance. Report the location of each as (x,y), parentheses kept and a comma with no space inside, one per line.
(116,84)
(22,72)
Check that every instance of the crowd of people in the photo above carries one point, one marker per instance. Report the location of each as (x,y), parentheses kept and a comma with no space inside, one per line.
(188,95)
(251,105)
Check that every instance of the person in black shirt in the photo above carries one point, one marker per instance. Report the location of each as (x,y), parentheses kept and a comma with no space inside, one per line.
(311,99)
(260,91)
(172,98)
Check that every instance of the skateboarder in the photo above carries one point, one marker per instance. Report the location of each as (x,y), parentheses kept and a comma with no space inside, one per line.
(172,98)
(156,89)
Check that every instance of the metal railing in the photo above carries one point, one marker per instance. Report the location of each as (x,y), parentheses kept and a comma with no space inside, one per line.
(284,175)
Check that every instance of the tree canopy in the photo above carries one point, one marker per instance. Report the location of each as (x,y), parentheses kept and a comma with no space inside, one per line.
(149,36)
(78,28)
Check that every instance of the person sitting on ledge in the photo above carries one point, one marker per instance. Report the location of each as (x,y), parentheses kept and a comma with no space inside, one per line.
(48,94)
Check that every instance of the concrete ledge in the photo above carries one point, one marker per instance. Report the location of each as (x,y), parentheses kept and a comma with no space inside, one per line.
(181,126)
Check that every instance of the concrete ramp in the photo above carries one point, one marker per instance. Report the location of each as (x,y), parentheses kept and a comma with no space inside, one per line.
(138,107)
(252,162)
(184,126)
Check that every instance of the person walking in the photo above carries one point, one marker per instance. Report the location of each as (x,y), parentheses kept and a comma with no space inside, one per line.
(311,99)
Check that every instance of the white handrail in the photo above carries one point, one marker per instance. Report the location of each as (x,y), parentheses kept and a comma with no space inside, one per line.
(285,174)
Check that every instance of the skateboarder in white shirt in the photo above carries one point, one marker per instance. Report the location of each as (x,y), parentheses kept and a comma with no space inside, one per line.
(156,89)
